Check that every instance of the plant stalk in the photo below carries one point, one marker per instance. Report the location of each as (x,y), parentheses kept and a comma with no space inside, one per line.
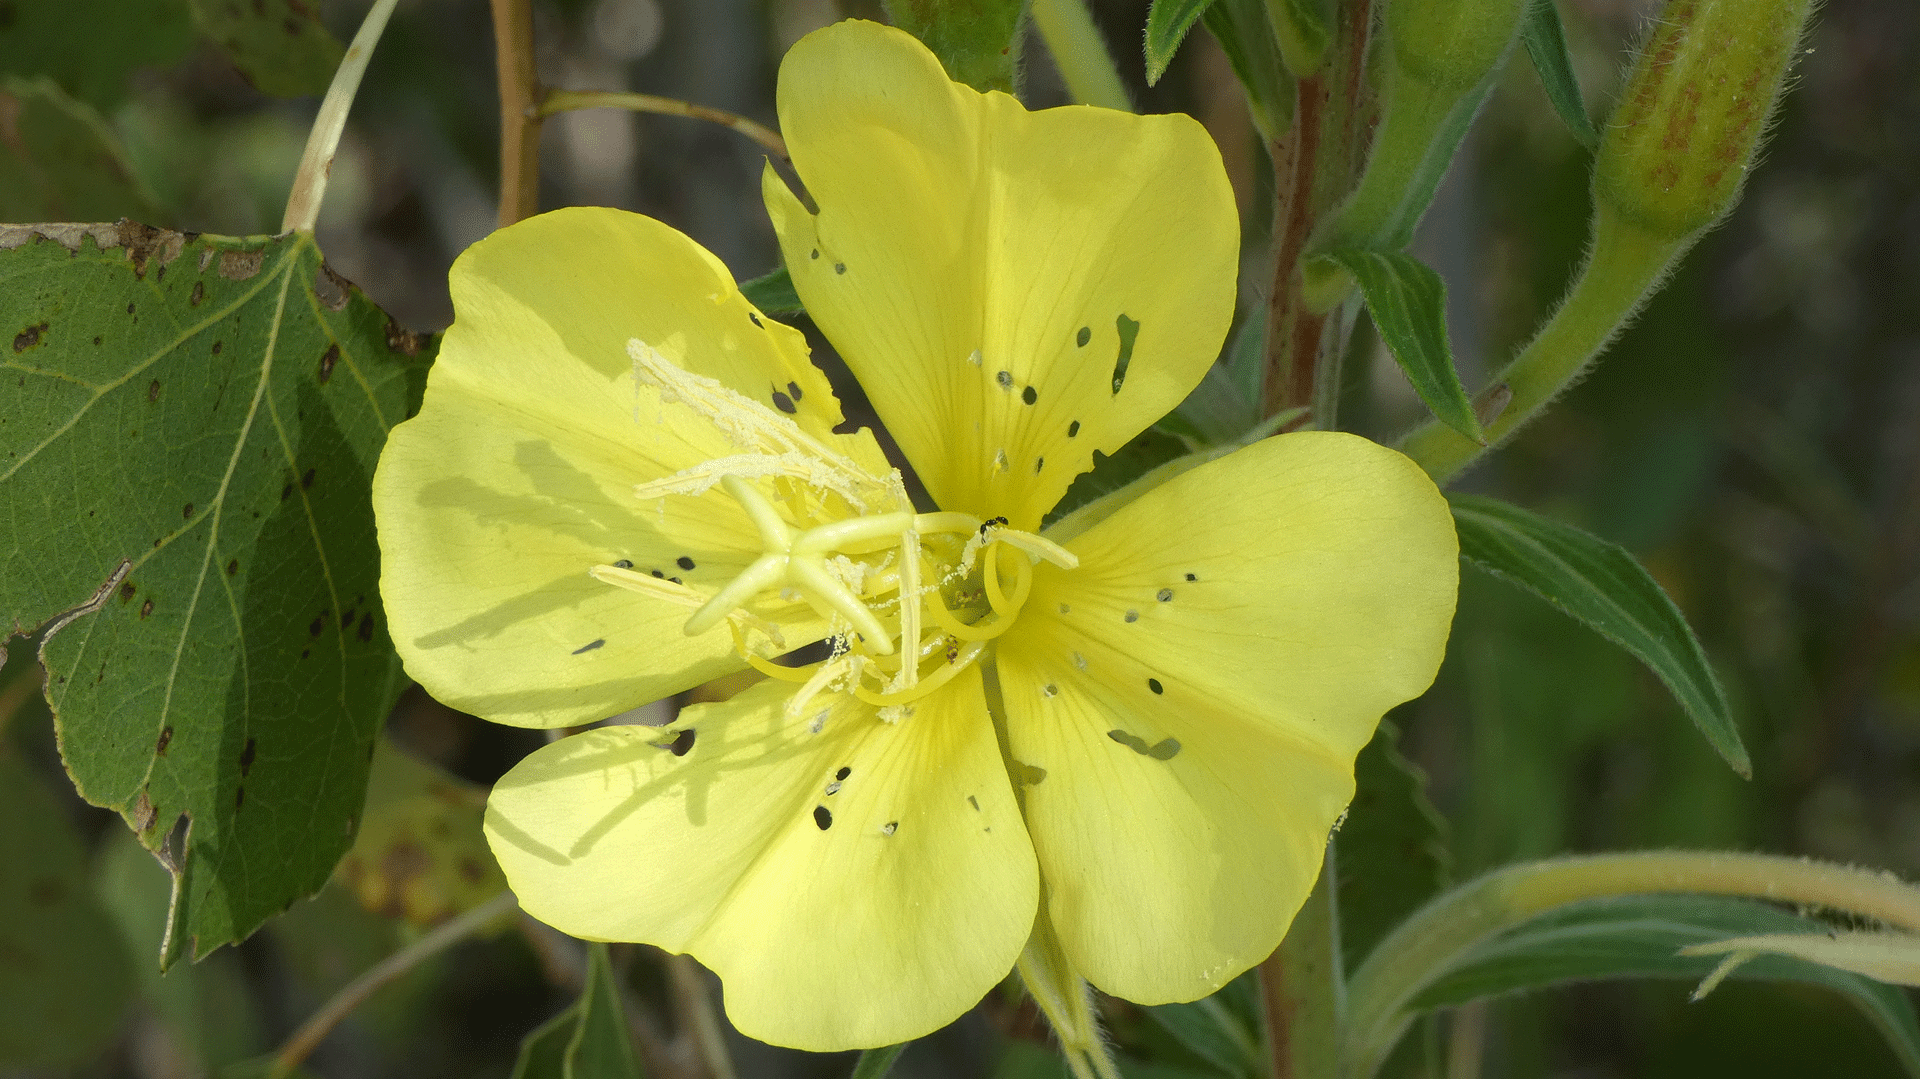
(323,139)
(556,101)
(519,110)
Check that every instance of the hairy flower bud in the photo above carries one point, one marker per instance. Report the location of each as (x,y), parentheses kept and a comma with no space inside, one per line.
(1451,44)
(1694,109)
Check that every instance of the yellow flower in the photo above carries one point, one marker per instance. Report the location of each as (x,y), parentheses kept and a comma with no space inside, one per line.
(625,481)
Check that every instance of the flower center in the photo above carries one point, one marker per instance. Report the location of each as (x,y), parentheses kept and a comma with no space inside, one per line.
(910,599)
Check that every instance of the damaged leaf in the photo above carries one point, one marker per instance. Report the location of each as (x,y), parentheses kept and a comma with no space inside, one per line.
(59,161)
(421,855)
(187,438)
(280,46)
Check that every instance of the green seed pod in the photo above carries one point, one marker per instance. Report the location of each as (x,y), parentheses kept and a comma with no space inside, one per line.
(1451,44)
(1694,109)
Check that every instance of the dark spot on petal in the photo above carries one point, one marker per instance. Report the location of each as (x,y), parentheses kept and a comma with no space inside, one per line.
(1038,464)
(839,267)
(146,608)
(1073,429)
(306,480)
(1163,750)
(1085,335)
(756,320)
(1029,395)
(590,646)
(683,562)
(166,739)
(658,574)
(890,827)
(675,580)
(822,817)
(784,403)
(1191,577)
(1165,595)
(1133,616)
(1129,330)
(793,391)
(153,390)
(1154,684)
(623,564)
(1004,378)
(682,743)
(1049,690)
(815,253)
(974,802)
(843,773)
(327,359)
(246,757)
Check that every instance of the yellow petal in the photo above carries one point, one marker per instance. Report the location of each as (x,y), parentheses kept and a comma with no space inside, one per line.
(1196,691)
(983,269)
(857,887)
(517,476)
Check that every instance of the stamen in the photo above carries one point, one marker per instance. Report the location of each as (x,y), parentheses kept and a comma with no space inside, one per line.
(932,682)
(647,585)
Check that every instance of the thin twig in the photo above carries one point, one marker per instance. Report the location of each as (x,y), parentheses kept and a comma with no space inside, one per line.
(568,100)
(355,993)
(316,162)
(519,113)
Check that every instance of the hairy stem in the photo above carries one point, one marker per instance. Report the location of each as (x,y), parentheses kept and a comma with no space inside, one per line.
(1080,53)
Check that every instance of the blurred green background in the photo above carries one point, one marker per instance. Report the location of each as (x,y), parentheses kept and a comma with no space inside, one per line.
(1754,439)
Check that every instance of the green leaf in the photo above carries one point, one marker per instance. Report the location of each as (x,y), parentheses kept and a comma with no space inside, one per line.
(280,46)
(773,293)
(1640,937)
(1547,46)
(1601,585)
(876,1063)
(1240,26)
(1303,29)
(1148,451)
(590,1039)
(188,437)
(421,855)
(90,47)
(1167,24)
(977,41)
(1211,1030)
(1408,303)
(64,975)
(59,161)
(1391,849)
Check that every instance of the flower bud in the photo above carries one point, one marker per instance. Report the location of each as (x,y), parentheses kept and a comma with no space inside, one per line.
(1694,109)
(1451,44)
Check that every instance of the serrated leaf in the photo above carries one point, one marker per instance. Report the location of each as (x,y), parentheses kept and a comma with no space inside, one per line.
(1167,24)
(280,46)
(1641,937)
(59,161)
(1391,848)
(977,41)
(90,47)
(1240,26)
(188,436)
(773,293)
(64,976)
(421,855)
(590,1039)
(1600,584)
(1546,42)
(1408,303)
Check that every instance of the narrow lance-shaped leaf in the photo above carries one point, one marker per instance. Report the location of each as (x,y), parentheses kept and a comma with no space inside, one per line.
(1655,936)
(1167,24)
(590,1039)
(1547,46)
(1601,585)
(188,437)
(1240,26)
(1408,302)
(1392,850)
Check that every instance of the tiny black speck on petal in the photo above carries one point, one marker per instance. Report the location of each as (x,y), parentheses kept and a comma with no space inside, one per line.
(839,267)
(683,562)
(1029,395)
(1154,684)
(1073,429)
(1085,335)
(843,773)
(822,817)
(784,403)
(1164,595)
(624,563)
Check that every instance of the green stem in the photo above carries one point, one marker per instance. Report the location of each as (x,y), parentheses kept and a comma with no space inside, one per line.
(1302,989)
(1439,935)
(1388,201)
(1080,53)
(690,988)
(1626,265)
(567,100)
(310,180)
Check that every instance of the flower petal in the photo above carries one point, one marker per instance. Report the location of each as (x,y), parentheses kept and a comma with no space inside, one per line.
(1014,290)
(517,476)
(857,887)
(1195,693)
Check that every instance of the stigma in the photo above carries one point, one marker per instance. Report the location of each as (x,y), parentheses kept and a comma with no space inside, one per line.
(909,600)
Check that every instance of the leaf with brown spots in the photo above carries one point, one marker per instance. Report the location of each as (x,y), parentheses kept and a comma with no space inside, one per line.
(420,855)
(280,46)
(237,491)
